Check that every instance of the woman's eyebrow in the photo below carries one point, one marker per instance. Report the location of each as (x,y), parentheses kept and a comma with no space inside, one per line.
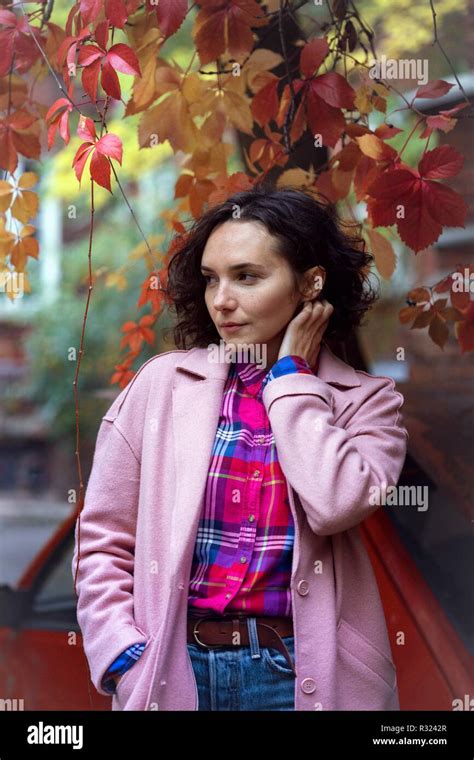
(236,266)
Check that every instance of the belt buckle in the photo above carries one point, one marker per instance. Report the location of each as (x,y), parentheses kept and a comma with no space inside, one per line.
(195,632)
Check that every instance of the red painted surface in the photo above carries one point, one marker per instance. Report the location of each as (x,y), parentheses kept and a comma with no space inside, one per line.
(433,665)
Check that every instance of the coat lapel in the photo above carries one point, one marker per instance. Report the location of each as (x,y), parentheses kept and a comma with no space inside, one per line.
(196,404)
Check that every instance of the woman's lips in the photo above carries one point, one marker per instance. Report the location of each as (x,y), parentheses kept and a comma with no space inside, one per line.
(232,328)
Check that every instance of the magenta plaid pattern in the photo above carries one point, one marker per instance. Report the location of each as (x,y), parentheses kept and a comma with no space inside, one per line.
(244,544)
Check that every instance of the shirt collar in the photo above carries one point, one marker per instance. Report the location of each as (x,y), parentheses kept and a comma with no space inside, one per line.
(251,374)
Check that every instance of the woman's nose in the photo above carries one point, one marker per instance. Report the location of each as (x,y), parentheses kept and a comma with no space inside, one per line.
(223,297)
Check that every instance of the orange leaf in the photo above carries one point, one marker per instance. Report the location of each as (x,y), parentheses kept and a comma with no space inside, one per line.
(383,252)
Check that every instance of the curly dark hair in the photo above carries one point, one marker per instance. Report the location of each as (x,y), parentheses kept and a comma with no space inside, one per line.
(309,233)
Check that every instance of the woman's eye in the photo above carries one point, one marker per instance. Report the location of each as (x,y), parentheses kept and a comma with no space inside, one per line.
(247,274)
(208,277)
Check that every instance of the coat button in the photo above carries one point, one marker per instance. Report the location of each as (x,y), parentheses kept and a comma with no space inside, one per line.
(303,588)
(308,685)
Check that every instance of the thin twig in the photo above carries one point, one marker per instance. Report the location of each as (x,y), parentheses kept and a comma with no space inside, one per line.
(446,57)
(45,57)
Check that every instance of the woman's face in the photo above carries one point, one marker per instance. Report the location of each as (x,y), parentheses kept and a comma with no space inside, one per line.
(249,283)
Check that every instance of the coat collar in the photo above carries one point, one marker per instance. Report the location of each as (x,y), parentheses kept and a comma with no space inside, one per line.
(331,369)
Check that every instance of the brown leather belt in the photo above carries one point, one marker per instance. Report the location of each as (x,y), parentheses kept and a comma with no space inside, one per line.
(209,631)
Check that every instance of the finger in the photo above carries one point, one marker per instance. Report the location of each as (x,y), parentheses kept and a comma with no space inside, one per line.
(305,311)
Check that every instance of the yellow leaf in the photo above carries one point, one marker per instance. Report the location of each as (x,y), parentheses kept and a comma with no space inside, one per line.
(27,180)
(260,79)
(383,252)
(262,58)
(362,102)
(141,250)
(143,88)
(212,129)
(238,111)
(193,88)
(24,248)
(28,229)
(25,206)
(373,147)
(380,88)
(116,280)
(6,193)
(260,62)
(169,120)
(296,177)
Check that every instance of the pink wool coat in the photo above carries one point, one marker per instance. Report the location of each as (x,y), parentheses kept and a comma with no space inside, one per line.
(338,435)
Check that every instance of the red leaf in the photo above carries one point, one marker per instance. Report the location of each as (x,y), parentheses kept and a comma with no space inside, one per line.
(170,15)
(312,56)
(86,129)
(116,12)
(8,19)
(433,89)
(440,163)
(240,35)
(427,206)
(64,126)
(58,104)
(110,81)
(387,131)
(90,10)
(100,170)
(123,59)
(101,34)
(334,90)
(465,330)
(88,54)
(107,147)
(135,334)
(265,103)
(324,119)
(445,205)
(110,145)
(222,25)
(90,79)
(80,159)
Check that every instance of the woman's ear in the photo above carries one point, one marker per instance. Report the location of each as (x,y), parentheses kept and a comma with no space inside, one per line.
(313,285)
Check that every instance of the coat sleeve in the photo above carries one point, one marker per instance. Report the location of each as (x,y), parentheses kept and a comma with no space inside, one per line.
(338,473)
(105,535)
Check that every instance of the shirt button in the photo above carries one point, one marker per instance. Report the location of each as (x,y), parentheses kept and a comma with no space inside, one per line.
(251,518)
(303,588)
(308,685)
(243,560)
(227,596)
(256,473)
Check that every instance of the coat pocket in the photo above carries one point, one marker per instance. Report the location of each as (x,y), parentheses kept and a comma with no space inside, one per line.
(367,678)
(122,691)
(130,678)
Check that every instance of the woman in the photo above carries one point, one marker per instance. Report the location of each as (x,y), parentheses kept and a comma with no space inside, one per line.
(221,565)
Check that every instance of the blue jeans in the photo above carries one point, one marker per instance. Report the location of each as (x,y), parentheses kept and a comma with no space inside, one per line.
(244,677)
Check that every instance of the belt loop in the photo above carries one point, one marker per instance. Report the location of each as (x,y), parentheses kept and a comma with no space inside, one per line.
(253,637)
